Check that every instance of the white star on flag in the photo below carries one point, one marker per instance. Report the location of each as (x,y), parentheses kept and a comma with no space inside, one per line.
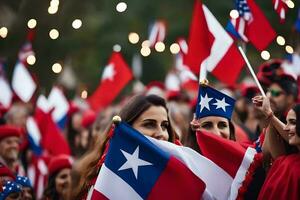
(133,161)
(109,72)
(221,104)
(204,102)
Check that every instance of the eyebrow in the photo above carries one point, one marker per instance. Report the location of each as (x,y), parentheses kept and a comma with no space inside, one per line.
(153,120)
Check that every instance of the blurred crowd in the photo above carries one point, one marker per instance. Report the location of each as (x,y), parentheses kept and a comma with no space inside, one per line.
(53,169)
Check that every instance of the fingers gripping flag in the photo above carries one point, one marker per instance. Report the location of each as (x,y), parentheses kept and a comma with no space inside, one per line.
(140,167)
(212,102)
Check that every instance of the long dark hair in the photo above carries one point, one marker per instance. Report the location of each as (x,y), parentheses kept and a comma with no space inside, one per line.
(88,165)
(296,108)
(50,191)
(139,104)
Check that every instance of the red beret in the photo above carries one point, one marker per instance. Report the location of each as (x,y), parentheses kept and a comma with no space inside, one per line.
(9,130)
(59,162)
(88,118)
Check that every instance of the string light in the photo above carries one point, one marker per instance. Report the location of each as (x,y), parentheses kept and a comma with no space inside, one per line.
(54,3)
(121,7)
(52,10)
(265,55)
(159,46)
(56,68)
(117,48)
(280,40)
(54,34)
(31,23)
(289,49)
(77,23)
(290,4)
(145,51)
(146,43)
(234,14)
(133,38)
(174,48)
(3,32)
(31,59)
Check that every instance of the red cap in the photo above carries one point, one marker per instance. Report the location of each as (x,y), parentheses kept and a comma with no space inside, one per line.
(88,118)
(59,162)
(9,130)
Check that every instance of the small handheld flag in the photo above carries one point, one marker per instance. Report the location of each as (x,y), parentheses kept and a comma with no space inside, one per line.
(212,102)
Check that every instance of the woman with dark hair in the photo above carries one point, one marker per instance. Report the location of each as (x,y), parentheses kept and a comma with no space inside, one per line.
(59,181)
(283,179)
(147,114)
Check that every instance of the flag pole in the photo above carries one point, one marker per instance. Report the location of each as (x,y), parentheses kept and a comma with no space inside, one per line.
(252,72)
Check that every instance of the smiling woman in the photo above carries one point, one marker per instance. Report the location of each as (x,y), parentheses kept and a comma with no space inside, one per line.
(286,167)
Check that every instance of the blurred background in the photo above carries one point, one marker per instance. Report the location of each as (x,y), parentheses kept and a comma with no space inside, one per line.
(80,36)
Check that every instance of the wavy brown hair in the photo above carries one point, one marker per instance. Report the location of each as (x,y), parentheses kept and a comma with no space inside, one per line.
(87,168)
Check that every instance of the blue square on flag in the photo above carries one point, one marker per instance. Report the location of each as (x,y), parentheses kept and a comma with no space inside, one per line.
(212,102)
(135,159)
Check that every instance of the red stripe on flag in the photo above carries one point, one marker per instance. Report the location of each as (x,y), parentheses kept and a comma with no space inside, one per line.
(98,196)
(175,181)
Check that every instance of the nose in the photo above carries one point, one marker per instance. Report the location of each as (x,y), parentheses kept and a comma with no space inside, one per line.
(216,131)
(14,145)
(160,133)
(286,128)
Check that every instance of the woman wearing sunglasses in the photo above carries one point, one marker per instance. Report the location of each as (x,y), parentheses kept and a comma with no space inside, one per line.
(283,179)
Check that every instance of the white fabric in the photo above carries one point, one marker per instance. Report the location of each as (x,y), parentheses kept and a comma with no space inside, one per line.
(33,130)
(222,41)
(58,101)
(43,104)
(217,181)
(22,82)
(6,93)
(113,187)
(241,173)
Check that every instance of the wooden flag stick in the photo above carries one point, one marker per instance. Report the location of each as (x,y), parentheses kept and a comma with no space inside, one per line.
(252,72)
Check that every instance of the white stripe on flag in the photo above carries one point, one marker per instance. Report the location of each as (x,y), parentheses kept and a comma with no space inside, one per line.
(22,82)
(113,187)
(6,93)
(217,181)
(221,43)
(33,130)
(241,173)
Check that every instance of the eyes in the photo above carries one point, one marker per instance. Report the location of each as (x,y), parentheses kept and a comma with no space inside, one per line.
(209,125)
(153,124)
(292,122)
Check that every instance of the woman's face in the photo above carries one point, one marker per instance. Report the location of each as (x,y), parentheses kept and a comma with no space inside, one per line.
(153,122)
(290,127)
(216,125)
(63,181)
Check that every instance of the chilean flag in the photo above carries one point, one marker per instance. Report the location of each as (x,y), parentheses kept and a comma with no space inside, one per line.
(114,78)
(140,167)
(210,46)
(59,102)
(231,156)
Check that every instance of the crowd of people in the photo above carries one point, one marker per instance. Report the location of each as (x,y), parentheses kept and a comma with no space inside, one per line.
(270,124)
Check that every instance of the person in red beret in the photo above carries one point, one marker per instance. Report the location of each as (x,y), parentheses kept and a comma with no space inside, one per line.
(10,143)
(59,180)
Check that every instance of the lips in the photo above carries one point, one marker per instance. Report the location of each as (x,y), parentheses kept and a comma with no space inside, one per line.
(291,135)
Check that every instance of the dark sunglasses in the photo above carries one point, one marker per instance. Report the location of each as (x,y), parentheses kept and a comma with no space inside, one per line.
(275,93)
